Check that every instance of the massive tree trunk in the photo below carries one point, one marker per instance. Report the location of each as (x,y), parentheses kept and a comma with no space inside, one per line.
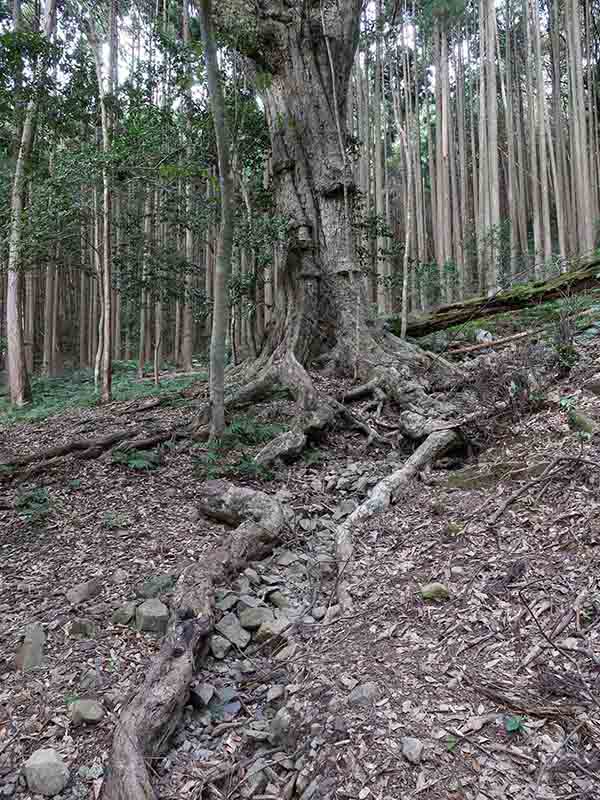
(322,317)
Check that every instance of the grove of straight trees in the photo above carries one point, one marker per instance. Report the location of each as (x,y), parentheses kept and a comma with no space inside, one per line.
(385,156)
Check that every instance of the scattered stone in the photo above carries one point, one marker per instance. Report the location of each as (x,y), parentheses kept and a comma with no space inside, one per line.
(219,646)
(46,773)
(83,627)
(319,612)
(364,695)
(280,726)
(348,682)
(89,711)
(435,591)
(286,557)
(152,616)
(31,652)
(252,575)
(253,618)
(248,601)
(156,585)
(278,599)
(275,627)
(113,698)
(275,692)
(412,749)
(91,679)
(201,695)
(84,591)
(124,614)
(227,693)
(580,422)
(230,628)
(227,601)
(119,576)
(257,730)
(286,446)
(231,710)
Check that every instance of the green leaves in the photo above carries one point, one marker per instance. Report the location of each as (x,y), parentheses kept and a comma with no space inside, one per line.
(34,506)
(514,724)
(142,460)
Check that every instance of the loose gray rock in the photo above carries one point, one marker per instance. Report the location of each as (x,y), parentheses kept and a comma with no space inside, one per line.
(46,773)
(364,695)
(124,614)
(227,601)
(219,646)
(253,618)
(90,712)
(286,446)
(280,726)
(119,576)
(230,628)
(91,679)
(152,616)
(84,591)
(412,749)
(31,652)
(157,584)
(252,575)
(275,627)
(248,601)
(435,591)
(202,694)
(83,627)
(286,557)
(275,692)
(319,612)
(278,599)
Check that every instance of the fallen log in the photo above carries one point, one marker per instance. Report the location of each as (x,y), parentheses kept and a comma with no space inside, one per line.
(586,276)
(148,721)
(494,343)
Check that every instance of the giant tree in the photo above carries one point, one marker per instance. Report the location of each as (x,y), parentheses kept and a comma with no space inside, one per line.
(303,54)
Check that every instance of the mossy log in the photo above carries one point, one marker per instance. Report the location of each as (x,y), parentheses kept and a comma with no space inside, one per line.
(586,276)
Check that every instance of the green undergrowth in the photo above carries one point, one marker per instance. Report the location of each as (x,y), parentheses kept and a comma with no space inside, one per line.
(232,456)
(75,389)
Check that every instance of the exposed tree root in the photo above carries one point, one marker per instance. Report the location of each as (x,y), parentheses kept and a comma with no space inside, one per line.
(149,720)
(381,497)
(28,466)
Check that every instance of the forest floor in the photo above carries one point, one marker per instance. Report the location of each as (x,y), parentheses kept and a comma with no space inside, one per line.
(490,691)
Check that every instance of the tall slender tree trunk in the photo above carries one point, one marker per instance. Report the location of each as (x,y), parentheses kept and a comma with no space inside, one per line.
(225,245)
(19,386)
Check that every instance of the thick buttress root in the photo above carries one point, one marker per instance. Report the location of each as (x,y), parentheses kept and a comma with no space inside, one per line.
(147,723)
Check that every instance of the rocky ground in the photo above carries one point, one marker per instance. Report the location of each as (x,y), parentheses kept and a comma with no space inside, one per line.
(468,668)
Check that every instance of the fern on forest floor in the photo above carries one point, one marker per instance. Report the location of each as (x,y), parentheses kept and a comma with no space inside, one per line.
(53,396)
(222,458)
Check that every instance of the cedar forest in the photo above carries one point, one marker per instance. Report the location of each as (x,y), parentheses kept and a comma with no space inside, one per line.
(299,399)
